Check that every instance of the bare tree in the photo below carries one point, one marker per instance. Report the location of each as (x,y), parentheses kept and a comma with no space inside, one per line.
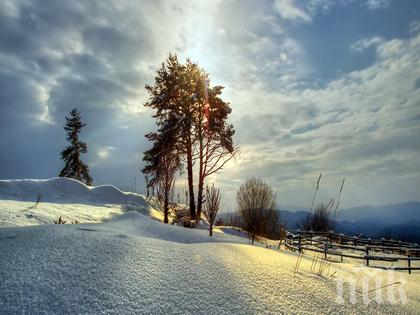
(147,181)
(256,205)
(320,220)
(211,206)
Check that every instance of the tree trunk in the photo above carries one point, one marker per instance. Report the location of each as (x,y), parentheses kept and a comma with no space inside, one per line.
(78,177)
(166,210)
(190,179)
(200,196)
(211,229)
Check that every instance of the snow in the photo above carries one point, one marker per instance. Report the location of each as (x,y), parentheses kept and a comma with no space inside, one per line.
(64,197)
(130,263)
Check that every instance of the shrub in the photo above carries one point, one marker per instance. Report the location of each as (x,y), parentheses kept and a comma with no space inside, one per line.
(320,220)
(60,221)
(256,206)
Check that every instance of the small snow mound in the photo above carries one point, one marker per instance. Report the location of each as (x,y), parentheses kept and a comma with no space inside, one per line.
(112,195)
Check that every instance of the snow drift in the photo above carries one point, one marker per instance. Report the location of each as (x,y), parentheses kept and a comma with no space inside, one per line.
(132,264)
(61,189)
(64,197)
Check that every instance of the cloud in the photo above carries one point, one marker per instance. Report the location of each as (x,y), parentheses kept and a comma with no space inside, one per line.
(290,11)
(415,26)
(366,43)
(377,4)
(359,126)
(105,152)
(56,57)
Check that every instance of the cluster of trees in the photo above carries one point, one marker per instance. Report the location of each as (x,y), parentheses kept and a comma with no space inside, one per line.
(192,131)
(193,135)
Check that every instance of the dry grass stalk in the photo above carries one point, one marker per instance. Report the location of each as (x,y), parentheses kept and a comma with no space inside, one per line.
(298,261)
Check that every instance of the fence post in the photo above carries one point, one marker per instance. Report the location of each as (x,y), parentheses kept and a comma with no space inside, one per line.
(409,264)
(300,242)
(312,235)
(367,255)
(325,250)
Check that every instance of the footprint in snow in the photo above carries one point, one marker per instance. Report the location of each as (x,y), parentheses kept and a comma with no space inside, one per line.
(88,230)
(7,237)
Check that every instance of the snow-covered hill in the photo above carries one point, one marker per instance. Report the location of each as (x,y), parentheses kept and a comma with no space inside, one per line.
(133,264)
(64,197)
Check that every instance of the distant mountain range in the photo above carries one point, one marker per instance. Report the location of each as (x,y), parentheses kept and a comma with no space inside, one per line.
(398,221)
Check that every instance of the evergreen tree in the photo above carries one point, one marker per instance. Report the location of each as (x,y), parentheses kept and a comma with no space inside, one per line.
(74,167)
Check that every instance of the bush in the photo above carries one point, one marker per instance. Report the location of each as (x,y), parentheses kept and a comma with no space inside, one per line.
(320,220)
(256,206)
(61,221)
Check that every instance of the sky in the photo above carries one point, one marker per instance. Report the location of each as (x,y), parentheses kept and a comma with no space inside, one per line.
(315,86)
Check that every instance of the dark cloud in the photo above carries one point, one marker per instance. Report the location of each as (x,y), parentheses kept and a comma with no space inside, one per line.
(18,97)
(305,128)
(56,56)
(417,83)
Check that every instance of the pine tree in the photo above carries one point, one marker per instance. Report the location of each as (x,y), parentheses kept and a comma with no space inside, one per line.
(74,166)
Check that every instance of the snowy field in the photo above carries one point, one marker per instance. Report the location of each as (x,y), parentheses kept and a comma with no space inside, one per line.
(122,260)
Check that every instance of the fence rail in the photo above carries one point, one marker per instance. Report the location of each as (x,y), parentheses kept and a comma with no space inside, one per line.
(330,243)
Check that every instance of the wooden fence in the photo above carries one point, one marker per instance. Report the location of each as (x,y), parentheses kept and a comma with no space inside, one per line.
(330,243)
